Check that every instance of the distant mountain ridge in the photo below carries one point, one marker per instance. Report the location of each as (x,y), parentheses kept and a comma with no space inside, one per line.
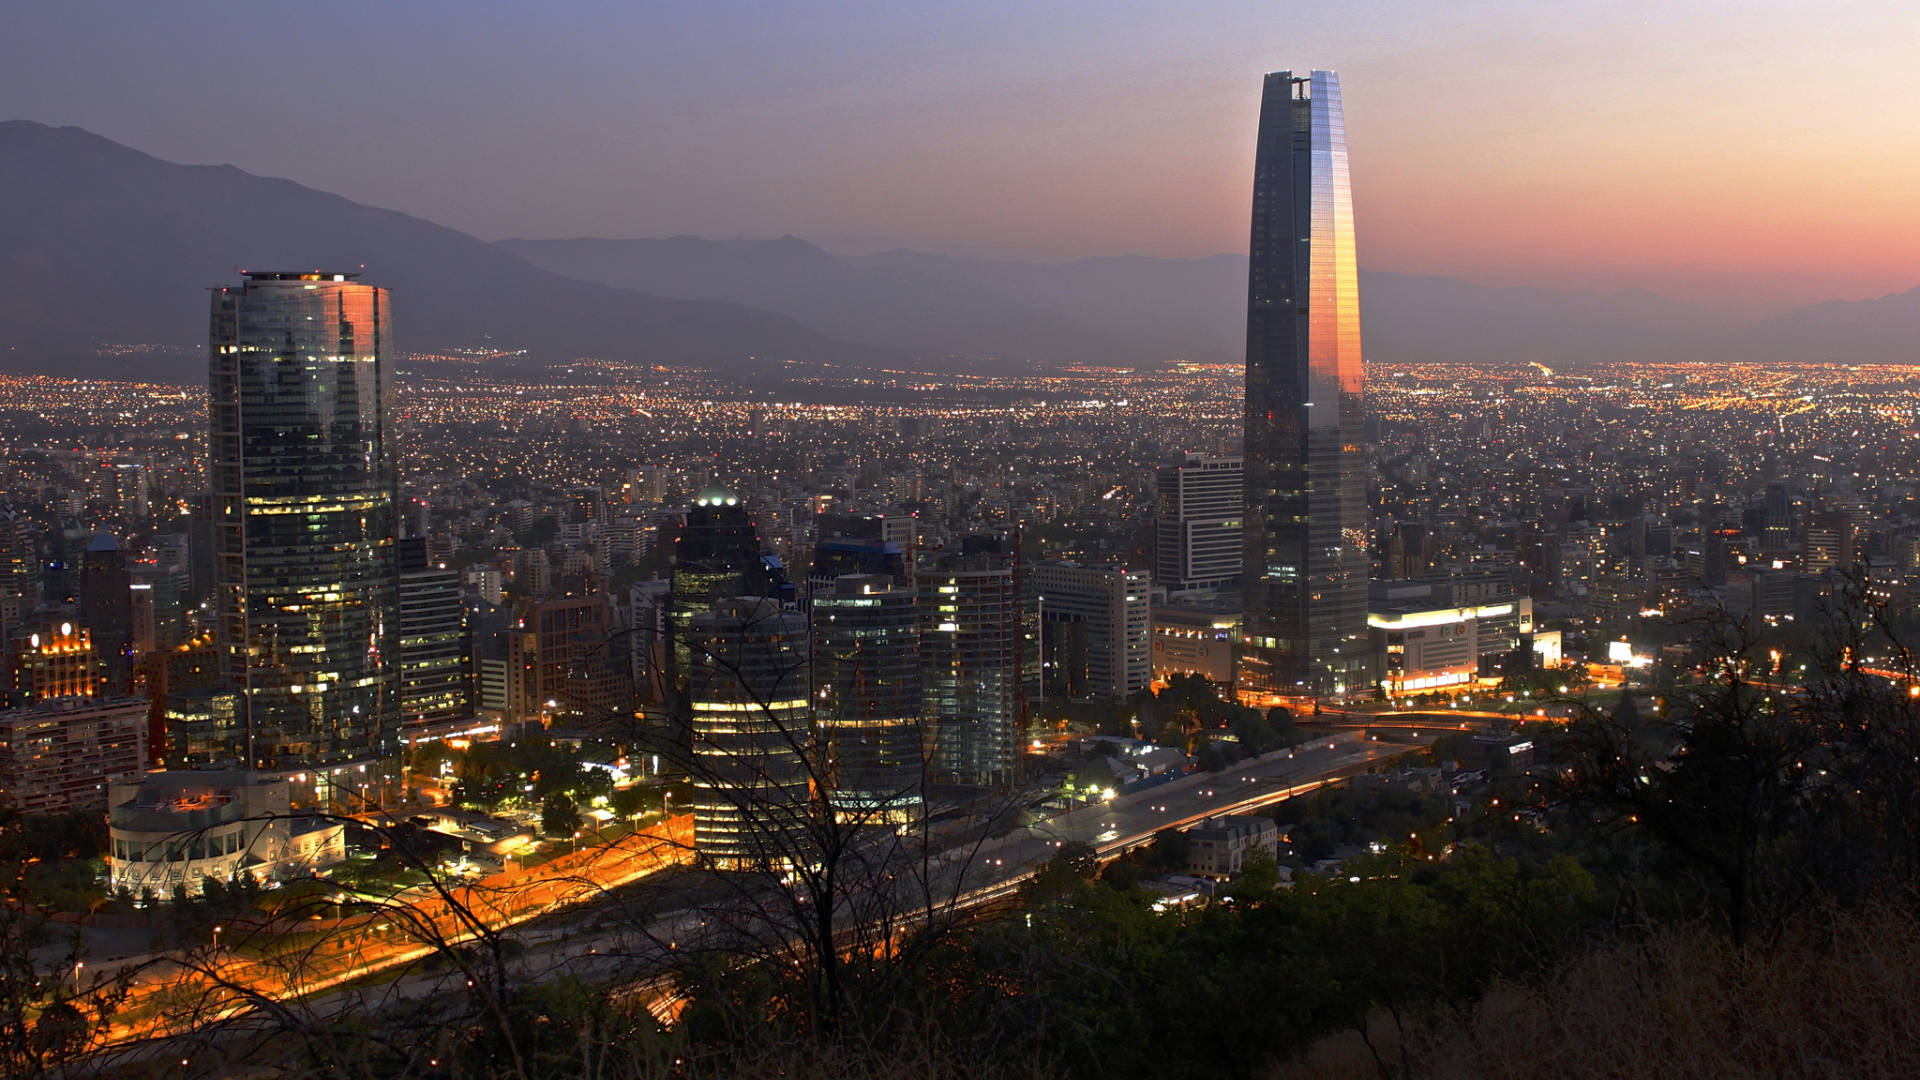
(1136,308)
(103,244)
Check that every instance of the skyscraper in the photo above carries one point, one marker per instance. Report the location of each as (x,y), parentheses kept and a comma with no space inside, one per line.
(866,698)
(970,616)
(1305,566)
(716,556)
(748,687)
(304,497)
(106,606)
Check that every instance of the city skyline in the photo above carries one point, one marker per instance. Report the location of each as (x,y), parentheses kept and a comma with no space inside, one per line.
(697,657)
(1126,142)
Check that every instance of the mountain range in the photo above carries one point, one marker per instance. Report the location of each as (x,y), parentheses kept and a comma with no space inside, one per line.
(101,244)
(103,247)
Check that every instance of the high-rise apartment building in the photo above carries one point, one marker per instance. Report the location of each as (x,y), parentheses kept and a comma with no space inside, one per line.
(1305,566)
(870,739)
(748,687)
(1096,629)
(970,633)
(304,497)
(61,755)
(1199,531)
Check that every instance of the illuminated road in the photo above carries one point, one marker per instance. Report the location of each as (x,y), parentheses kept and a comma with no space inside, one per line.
(965,876)
(1115,827)
(165,1002)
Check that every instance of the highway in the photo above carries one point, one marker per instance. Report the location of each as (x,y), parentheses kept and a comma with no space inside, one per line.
(1129,821)
(559,903)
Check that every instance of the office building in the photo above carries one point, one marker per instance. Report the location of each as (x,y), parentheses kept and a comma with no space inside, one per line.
(970,633)
(163,622)
(1761,599)
(1436,634)
(1198,536)
(861,544)
(717,556)
(106,608)
(748,687)
(304,497)
(60,755)
(1096,629)
(564,659)
(868,733)
(647,606)
(19,556)
(1305,566)
(180,682)
(436,651)
(1195,635)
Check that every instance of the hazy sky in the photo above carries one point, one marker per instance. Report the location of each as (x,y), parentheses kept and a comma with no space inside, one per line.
(1717,150)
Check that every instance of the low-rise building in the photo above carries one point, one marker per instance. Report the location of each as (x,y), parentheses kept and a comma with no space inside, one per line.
(180,828)
(1428,635)
(1193,634)
(1220,845)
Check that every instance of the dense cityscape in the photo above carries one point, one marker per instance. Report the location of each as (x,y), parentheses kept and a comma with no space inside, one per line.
(741,701)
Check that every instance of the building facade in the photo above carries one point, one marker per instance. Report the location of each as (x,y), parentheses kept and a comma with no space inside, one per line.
(1096,629)
(1195,636)
(748,688)
(717,555)
(61,755)
(1220,845)
(970,634)
(1199,535)
(304,498)
(106,607)
(1304,570)
(177,829)
(868,731)
(436,651)
(59,662)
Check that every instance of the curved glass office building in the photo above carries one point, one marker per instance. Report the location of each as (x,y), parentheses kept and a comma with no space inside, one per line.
(1304,634)
(304,496)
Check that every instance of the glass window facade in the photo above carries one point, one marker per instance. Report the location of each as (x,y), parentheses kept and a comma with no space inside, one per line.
(1305,560)
(304,488)
(867,699)
(752,734)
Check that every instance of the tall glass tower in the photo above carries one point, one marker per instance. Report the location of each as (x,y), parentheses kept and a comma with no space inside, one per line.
(1305,569)
(304,496)
(867,698)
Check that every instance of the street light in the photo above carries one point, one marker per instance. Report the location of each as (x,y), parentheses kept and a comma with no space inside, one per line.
(77,965)
(216,937)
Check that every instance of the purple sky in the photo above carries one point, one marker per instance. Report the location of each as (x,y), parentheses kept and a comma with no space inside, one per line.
(1751,152)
